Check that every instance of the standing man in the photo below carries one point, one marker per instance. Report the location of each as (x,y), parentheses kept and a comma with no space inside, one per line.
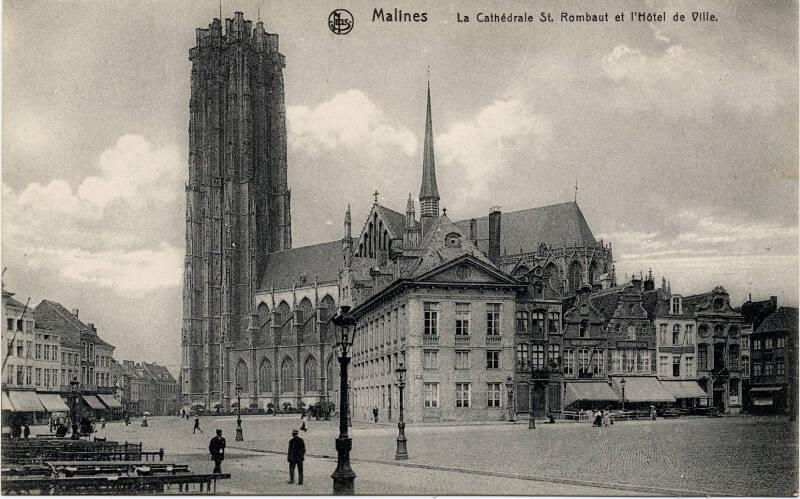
(217,450)
(295,456)
(375,413)
(196,425)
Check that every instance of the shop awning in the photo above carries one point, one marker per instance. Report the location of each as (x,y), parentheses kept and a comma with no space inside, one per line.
(597,391)
(642,389)
(109,400)
(93,402)
(25,401)
(683,389)
(6,403)
(53,402)
(765,389)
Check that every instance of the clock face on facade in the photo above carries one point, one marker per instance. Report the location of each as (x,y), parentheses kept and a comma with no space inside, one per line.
(703,331)
(463,272)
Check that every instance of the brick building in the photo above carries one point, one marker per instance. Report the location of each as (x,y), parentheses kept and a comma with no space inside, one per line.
(773,350)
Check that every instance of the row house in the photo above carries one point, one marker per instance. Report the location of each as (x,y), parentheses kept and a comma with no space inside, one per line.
(773,363)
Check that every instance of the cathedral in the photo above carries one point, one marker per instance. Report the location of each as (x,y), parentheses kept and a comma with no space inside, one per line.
(443,297)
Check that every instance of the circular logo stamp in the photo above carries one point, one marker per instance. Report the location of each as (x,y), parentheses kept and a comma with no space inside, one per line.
(340,22)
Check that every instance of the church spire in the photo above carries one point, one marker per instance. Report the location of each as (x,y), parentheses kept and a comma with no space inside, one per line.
(429,192)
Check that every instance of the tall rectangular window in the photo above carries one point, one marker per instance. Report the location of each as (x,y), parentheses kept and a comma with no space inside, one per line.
(492,359)
(462,394)
(522,357)
(431,394)
(47,377)
(38,376)
(702,356)
(20,376)
(522,321)
(689,366)
(20,349)
(431,313)
(553,323)
(430,359)
(689,334)
(646,358)
(492,319)
(768,369)
(537,356)
(29,375)
(10,324)
(767,343)
(780,368)
(583,361)
(663,361)
(598,362)
(47,352)
(462,359)
(628,360)
(554,355)
(616,360)
(11,348)
(462,319)
(38,351)
(756,369)
(569,361)
(537,318)
(676,366)
(493,395)
(780,342)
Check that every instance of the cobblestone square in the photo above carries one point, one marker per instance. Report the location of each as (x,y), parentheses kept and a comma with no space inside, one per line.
(692,456)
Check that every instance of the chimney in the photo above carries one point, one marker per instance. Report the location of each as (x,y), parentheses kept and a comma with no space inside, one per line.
(473,231)
(494,234)
(91,326)
(75,312)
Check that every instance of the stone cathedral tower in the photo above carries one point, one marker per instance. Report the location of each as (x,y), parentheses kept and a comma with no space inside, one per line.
(237,199)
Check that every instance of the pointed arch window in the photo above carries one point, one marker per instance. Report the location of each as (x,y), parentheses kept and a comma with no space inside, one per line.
(265,376)
(574,276)
(287,375)
(310,374)
(241,376)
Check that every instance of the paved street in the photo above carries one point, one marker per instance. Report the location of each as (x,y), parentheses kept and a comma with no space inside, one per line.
(732,455)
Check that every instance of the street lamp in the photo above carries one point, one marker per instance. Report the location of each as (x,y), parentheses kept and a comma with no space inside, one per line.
(402,451)
(239,434)
(622,385)
(349,405)
(510,392)
(343,478)
(75,384)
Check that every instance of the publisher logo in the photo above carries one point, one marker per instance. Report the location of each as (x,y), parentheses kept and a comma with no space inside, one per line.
(340,22)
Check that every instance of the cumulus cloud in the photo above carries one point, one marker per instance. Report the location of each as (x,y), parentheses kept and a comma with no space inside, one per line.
(483,147)
(349,120)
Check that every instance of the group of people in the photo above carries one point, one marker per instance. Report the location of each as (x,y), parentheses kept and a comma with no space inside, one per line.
(601,418)
(295,455)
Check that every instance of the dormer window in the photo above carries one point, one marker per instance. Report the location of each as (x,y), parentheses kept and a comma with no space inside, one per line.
(452,240)
(677,306)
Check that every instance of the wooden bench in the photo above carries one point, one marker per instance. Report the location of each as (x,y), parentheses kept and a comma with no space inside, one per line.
(83,468)
(159,484)
(32,458)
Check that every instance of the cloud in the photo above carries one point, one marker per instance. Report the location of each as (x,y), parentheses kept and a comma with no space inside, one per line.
(348,120)
(54,199)
(123,271)
(485,146)
(683,81)
(135,172)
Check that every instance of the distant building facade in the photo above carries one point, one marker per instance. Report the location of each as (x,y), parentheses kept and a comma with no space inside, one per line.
(773,350)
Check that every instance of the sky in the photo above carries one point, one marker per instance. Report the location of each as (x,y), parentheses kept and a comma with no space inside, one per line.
(682,138)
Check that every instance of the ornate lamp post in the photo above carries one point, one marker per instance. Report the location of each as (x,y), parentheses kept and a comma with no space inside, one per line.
(74,384)
(402,451)
(343,478)
(239,434)
(510,392)
(349,405)
(532,419)
(622,385)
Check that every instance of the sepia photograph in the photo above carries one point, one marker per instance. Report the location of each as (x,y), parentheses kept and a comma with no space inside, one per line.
(350,247)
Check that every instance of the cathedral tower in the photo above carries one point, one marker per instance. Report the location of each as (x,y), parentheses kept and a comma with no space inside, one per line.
(428,192)
(237,199)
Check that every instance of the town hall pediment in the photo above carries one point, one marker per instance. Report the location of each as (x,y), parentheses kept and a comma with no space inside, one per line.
(467,270)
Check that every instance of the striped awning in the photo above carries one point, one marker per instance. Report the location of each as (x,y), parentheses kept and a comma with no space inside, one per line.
(109,400)
(93,402)
(642,389)
(683,389)
(6,403)
(595,391)
(53,402)
(25,401)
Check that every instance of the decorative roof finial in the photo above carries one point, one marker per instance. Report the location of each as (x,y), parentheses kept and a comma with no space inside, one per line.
(375,195)
(444,212)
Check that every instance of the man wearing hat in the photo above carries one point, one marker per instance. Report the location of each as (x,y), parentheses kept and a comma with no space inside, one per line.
(296,454)
(217,449)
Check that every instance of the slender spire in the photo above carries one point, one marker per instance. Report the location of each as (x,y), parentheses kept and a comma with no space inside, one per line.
(347,223)
(429,191)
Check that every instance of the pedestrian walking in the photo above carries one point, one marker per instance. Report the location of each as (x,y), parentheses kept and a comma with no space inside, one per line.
(196,426)
(304,419)
(217,450)
(598,419)
(652,412)
(26,431)
(295,456)
(375,413)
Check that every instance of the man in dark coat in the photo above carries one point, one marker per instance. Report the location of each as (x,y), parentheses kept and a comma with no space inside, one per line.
(295,456)
(217,449)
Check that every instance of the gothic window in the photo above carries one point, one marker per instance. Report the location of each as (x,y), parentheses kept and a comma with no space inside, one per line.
(265,376)
(283,313)
(574,276)
(241,376)
(328,307)
(592,272)
(552,272)
(287,375)
(263,317)
(306,310)
(521,271)
(310,374)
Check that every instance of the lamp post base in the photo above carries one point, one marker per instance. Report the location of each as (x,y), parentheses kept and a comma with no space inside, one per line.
(344,478)
(402,451)
(532,423)
(239,434)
